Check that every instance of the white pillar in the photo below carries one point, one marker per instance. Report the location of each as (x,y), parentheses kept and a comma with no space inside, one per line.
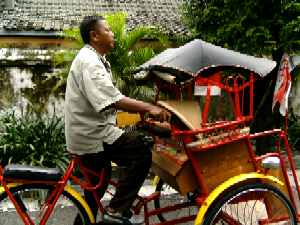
(10,4)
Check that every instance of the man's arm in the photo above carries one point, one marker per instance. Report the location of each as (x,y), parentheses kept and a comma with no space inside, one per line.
(131,105)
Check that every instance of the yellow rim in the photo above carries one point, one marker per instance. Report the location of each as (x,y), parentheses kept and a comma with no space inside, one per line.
(72,192)
(78,197)
(155,180)
(10,185)
(229,183)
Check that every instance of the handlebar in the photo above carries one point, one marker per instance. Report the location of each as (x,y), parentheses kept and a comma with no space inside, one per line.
(157,128)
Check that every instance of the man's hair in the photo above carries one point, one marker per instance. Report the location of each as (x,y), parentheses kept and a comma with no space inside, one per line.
(88,24)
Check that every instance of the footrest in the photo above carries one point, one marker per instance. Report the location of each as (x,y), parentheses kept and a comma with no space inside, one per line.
(24,172)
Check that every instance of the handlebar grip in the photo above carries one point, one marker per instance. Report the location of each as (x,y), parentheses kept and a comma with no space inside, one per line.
(158,130)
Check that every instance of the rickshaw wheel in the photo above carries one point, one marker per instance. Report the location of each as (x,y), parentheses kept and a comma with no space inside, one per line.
(251,204)
(170,197)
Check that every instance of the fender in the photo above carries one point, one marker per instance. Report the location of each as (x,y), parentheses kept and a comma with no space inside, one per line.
(78,197)
(10,185)
(227,184)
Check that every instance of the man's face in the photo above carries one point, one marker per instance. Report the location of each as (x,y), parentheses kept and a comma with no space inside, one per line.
(103,36)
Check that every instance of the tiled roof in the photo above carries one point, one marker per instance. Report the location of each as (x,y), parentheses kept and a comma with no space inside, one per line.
(55,15)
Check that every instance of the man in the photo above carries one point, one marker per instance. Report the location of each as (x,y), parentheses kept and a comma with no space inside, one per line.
(90,116)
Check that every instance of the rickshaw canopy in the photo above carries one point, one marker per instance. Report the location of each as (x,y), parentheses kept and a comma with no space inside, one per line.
(188,60)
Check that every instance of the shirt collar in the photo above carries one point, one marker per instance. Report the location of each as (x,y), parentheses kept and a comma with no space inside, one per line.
(101,57)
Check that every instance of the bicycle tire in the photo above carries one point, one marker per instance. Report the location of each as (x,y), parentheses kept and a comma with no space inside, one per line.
(225,210)
(66,211)
(175,197)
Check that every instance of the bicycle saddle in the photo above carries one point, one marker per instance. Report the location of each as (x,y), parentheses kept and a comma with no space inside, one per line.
(24,172)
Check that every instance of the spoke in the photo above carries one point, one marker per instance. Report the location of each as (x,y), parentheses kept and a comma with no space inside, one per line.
(246,205)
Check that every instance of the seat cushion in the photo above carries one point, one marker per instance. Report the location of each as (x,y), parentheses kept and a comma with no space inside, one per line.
(24,172)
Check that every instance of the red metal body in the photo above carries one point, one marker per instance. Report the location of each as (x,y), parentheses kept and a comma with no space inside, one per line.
(234,87)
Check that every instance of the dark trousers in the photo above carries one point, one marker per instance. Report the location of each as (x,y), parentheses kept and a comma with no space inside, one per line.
(133,155)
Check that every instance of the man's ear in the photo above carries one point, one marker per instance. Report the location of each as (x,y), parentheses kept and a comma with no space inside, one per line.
(93,35)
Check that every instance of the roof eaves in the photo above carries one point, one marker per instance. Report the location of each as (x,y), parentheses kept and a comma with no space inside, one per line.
(4,33)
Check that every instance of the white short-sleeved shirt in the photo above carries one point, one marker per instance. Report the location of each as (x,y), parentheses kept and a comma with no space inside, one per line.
(90,115)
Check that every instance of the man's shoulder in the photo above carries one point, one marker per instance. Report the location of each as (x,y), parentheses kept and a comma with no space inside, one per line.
(86,53)
(87,56)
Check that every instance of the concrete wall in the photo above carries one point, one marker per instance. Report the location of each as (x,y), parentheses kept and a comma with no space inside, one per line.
(34,42)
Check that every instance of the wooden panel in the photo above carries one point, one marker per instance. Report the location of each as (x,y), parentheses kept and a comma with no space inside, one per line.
(279,174)
(274,206)
(188,112)
(186,179)
(165,176)
(224,162)
(166,163)
(217,165)
(178,175)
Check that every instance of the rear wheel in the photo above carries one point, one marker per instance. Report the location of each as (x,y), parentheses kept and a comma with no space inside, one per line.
(32,198)
(252,204)
(170,197)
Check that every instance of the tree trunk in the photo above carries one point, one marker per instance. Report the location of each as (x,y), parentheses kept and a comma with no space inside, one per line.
(265,119)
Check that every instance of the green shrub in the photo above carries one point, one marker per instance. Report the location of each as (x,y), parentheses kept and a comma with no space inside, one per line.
(33,140)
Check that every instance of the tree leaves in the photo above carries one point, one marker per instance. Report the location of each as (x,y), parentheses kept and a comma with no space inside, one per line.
(257,27)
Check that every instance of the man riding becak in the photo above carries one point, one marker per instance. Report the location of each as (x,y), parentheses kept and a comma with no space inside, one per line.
(91,103)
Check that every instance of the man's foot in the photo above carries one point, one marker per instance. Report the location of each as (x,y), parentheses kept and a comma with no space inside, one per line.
(111,217)
(103,223)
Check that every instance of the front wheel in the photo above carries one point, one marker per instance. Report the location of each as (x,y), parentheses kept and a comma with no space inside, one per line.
(251,204)
(32,198)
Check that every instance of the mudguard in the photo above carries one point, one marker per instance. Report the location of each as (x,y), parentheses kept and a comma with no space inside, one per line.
(78,197)
(227,184)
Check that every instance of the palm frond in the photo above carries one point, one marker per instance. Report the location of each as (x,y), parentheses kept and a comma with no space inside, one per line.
(141,55)
(73,34)
(144,93)
(117,23)
(137,34)
(143,32)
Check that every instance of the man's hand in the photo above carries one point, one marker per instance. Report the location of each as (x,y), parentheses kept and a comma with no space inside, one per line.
(132,105)
(159,113)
